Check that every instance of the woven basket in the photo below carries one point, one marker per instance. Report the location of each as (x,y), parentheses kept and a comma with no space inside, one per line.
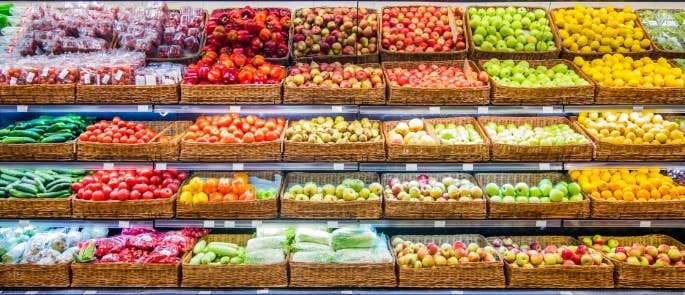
(570,55)
(321,95)
(368,209)
(506,95)
(557,276)
(38,94)
(640,95)
(477,54)
(226,152)
(34,275)
(35,208)
(398,95)
(90,151)
(658,52)
(170,151)
(387,55)
(464,275)
(127,94)
(257,209)
(638,276)
(233,276)
(130,209)
(231,94)
(432,210)
(501,210)
(603,209)
(606,151)
(557,153)
(124,275)
(63,151)
(369,151)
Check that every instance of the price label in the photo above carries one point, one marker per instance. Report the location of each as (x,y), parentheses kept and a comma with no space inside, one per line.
(24,223)
(456,292)
(645,223)
(208,224)
(31,292)
(124,224)
(336,109)
(143,108)
(338,166)
(332,223)
(483,110)
(256,223)
(638,108)
(90,292)
(545,166)
(160,166)
(547,110)
(541,223)
(411,167)
(229,224)
(107,166)
(263,291)
(433,110)
(565,293)
(22,108)
(234,109)
(439,223)
(204,292)
(346,292)
(467,167)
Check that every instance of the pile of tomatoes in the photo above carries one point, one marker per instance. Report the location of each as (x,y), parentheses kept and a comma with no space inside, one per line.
(118,131)
(121,185)
(232,128)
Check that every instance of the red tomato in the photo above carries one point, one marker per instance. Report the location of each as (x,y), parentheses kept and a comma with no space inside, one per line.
(166,193)
(98,196)
(141,187)
(76,186)
(148,195)
(135,195)
(87,194)
(124,194)
(248,137)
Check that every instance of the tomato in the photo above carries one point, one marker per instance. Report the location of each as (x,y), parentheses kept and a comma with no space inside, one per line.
(135,195)
(98,196)
(76,186)
(87,195)
(248,137)
(148,195)
(141,187)
(106,191)
(122,185)
(124,194)
(155,179)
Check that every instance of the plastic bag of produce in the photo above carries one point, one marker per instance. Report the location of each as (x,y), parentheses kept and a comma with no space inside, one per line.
(353,237)
(306,246)
(68,255)
(14,254)
(264,256)
(275,242)
(53,240)
(324,256)
(270,230)
(354,255)
(312,235)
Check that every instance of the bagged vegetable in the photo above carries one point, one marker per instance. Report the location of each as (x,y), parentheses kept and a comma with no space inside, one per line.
(14,254)
(306,246)
(275,242)
(323,256)
(264,256)
(353,237)
(312,235)
(270,230)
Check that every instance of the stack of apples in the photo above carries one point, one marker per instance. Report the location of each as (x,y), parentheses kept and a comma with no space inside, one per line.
(637,253)
(422,29)
(428,75)
(335,31)
(413,132)
(419,255)
(427,189)
(334,75)
(533,255)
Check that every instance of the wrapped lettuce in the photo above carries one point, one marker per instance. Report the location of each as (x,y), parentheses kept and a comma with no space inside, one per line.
(273,242)
(323,256)
(306,246)
(362,255)
(353,237)
(312,235)
(264,256)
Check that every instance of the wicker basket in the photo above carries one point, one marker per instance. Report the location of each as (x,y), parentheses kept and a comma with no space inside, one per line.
(170,151)
(231,94)
(500,210)
(606,151)
(38,94)
(570,55)
(63,151)
(35,207)
(640,95)
(34,275)
(658,52)
(388,55)
(257,209)
(638,276)
(603,209)
(398,95)
(124,275)
(319,95)
(477,54)
(226,152)
(432,210)
(557,276)
(506,95)
(466,275)
(130,209)
(233,276)
(127,94)
(368,209)
(151,151)
(369,151)
(514,153)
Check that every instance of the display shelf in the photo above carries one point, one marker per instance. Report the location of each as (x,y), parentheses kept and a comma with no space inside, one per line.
(624,223)
(78,222)
(259,166)
(384,223)
(665,109)
(77,165)
(274,110)
(74,108)
(340,291)
(391,112)
(616,165)
(465,167)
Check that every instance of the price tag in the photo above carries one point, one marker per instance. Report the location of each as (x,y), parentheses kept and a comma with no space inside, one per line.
(565,293)
(456,292)
(411,167)
(483,110)
(467,167)
(238,166)
(263,291)
(229,224)
(24,223)
(545,166)
(160,166)
(541,223)
(645,223)
(638,108)
(31,292)
(332,223)
(22,108)
(336,109)
(338,166)
(439,223)
(107,166)
(90,292)
(204,292)
(124,224)
(346,292)
(143,108)
(256,223)
(433,110)
(547,110)
(234,109)
(208,224)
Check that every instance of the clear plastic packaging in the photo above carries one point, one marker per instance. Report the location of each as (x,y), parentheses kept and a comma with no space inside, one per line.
(312,235)
(322,256)
(353,237)
(272,242)
(264,256)
(306,246)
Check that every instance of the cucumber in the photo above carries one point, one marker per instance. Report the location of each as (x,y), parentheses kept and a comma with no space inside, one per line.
(208,257)
(8,177)
(5,132)
(60,187)
(14,139)
(54,139)
(3,193)
(13,172)
(4,183)
(70,171)
(26,187)
(56,126)
(57,182)
(28,180)
(199,246)
(45,174)
(25,133)
(38,182)
(20,194)
(197,259)
(56,194)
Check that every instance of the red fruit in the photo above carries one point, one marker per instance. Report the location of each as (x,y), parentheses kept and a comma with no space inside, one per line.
(98,196)
(135,195)
(148,195)
(265,34)
(124,194)
(238,59)
(245,76)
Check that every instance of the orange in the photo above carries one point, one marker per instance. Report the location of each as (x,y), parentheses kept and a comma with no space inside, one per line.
(655,194)
(681,190)
(629,196)
(664,190)
(596,195)
(618,194)
(643,194)
(666,197)
(607,194)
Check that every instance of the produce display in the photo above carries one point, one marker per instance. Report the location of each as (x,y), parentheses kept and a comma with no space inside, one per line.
(680,62)
(641,185)
(539,255)
(616,70)
(603,30)
(418,255)
(451,134)
(182,35)
(422,29)
(525,134)
(335,31)
(427,189)
(44,246)
(412,132)
(240,187)
(545,191)
(110,69)
(329,130)
(665,28)
(123,185)
(521,74)
(140,246)
(435,76)
(44,129)
(38,183)
(119,131)
(249,31)
(234,68)
(346,191)
(637,253)
(232,128)
(334,75)
(511,29)
(343,245)
(217,253)
(623,127)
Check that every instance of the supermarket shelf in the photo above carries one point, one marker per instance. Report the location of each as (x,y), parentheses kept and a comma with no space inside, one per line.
(383,112)
(615,165)
(74,108)
(275,110)
(341,291)
(178,223)
(260,166)
(466,167)
(77,165)
(664,109)
(624,223)
(78,222)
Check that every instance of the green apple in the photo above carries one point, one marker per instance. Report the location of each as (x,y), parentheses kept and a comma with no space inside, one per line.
(521,189)
(576,198)
(544,200)
(495,199)
(492,189)
(508,199)
(546,189)
(521,199)
(573,188)
(535,192)
(556,195)
(508,190)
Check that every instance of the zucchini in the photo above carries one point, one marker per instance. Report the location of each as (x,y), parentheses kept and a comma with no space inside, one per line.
(25,133)
(5,132)
(70,171)
(199,246)
(222,249)
(54,139)
(56,194)
(57,182)
(13,172)
(45,174)
(208,257)
(20,194)
(8,177)
(60,187)
(26,187)
(14,139)
(55,126)
(197,259)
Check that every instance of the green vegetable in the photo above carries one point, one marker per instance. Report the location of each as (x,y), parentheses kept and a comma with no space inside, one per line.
(353,237)
(12,172)
(54,139)
(197,259)
(55,194)
(26,187)
(208,257)
(236,260)
(60,187)
(20,194)
(24,133)
(199,246)
(225,260)
(15,140)
(222,249)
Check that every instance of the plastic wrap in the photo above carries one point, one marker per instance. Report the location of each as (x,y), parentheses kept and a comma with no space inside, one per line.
(362,255)
(264,256)
(306,246)
(272,242)
(312,235)
(353,237)
(322,256)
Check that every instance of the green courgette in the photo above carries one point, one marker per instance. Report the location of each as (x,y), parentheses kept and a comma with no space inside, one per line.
(15,140)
